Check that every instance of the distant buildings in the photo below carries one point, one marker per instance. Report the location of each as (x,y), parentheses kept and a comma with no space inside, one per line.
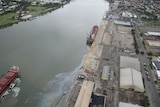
(152,40)
(156,65)
(156,34)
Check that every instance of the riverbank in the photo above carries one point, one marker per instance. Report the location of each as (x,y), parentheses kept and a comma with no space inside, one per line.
(31,11)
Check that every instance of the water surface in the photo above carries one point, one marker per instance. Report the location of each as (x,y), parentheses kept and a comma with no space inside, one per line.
(49,50)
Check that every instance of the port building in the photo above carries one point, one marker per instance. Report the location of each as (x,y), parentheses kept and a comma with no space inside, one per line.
(154,43)
(156,65)
(105,73)
(152,34)
(122,23)
(122,104)
(129,62)
(131,79)
(85,93)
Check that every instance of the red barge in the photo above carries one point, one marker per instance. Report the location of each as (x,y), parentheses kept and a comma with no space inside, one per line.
(92,34)
(6,81)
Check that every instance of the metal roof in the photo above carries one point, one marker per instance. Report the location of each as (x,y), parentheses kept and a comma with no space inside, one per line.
(156,64)
(105,73)
(84,94)
(129,62)
(122,23)
(152,34)
(158,73)
(122,104)
(131,78)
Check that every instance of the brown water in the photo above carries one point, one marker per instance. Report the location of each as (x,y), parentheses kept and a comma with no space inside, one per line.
(49,50)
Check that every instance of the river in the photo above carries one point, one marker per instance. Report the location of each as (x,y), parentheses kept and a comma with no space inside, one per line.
(49,51)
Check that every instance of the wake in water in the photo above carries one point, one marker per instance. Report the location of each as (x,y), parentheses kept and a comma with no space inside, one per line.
(59,87)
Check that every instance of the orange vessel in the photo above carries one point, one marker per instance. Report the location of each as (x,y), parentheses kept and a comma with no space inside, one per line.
(92,34)
(7,79)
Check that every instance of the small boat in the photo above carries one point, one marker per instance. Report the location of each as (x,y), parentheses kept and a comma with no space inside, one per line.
(92,34)
(9,81)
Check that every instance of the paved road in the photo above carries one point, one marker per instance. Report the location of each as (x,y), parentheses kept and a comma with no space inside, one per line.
(150,88)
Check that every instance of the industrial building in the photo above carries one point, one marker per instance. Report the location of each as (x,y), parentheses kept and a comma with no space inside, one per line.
(122,23)
(153,43)
(129,62)
(156,65)
(131,79)
(105,73)
(85,93)
(152,34)
(98,100)
(122,104)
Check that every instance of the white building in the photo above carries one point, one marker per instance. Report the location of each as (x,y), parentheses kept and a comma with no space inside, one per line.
(122,104)
(85,93)
(156,65)
(131,79)
(129,62)
(152,34)
(105,73)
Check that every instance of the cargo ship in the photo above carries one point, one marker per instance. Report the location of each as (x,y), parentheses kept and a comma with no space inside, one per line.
(92,34)
(9,81)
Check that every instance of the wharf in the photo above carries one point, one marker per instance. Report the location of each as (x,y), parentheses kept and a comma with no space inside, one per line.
(97,40)
(92,67)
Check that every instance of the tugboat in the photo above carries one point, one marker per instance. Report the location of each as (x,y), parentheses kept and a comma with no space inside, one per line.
(9,81)
(92,35)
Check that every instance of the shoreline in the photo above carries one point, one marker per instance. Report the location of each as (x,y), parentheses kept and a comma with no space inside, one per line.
(34,15)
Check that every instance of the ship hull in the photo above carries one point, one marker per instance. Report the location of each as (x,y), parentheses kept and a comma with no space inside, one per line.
(7,82)
(92,35)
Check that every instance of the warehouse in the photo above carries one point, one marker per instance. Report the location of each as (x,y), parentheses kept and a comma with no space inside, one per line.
(153,43)
(84,94)
(156,65)
(122,23)
(105,73)
(131,79)
(98,100)
(122,104)
(129,62)
(152,34)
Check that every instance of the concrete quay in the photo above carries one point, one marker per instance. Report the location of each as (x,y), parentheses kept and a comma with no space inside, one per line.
(99,55)
(114,39)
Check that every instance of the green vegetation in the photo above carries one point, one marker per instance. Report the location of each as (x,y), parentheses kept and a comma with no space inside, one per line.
(35,8)
(151,19)
(155,82)
(152,22)
(25,8)
(149,53)
(135,42)
(144,44)
(146,101)
(142,52)
(8,19)
(150,62)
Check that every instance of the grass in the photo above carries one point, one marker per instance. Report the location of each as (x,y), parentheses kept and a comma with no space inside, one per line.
(36,8)
(146,101)
(8,19)
(152,22)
